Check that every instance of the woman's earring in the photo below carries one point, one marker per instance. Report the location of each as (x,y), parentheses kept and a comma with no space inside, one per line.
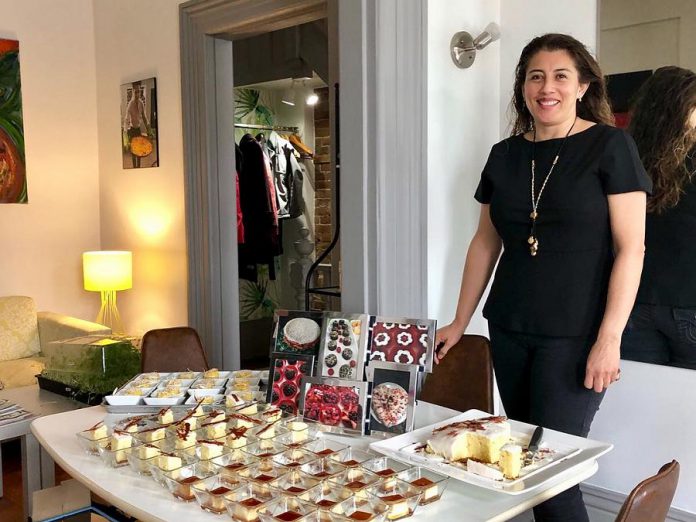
(580,97)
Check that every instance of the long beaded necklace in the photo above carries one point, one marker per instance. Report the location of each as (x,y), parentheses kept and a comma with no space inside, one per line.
(533,240)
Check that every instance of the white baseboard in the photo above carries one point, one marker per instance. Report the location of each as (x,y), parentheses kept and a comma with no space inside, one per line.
(603,505)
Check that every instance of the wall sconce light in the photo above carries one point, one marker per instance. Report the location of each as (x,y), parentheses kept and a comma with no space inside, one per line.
(463,47)
(106,272)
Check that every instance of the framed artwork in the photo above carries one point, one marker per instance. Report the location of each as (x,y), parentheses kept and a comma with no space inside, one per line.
(343,346)
(139,136)
(285,379)
(393,400)
(13,175)
(338,405)
(404,341)
(297,332)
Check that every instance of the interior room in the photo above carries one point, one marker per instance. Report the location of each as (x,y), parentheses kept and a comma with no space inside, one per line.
(382,140)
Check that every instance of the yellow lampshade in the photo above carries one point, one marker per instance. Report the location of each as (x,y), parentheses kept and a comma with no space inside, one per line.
(108,270)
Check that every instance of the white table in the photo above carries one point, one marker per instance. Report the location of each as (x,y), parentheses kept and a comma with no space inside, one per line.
(142,498)
(37,466)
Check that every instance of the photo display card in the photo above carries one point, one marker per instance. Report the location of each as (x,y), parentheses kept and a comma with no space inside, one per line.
(297,332)
(338,405)
(393,401)
(404,341)
(343,345)
(285,379)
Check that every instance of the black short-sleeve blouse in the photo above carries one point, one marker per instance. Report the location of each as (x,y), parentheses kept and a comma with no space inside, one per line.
(562,290)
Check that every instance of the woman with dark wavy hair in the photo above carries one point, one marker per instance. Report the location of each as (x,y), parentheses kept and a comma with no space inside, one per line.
(662,326)
(565,197)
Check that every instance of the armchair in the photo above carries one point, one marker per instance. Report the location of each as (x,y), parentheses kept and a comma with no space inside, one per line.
(24,333)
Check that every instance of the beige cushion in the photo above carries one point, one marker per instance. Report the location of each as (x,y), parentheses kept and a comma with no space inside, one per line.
(20,372)
(19,332)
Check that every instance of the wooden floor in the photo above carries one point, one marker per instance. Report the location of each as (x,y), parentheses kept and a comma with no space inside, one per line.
(12,501)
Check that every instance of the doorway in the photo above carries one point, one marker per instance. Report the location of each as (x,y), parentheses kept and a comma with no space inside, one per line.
(213,34)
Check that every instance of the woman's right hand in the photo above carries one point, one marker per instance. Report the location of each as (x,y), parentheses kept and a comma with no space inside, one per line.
(447,336)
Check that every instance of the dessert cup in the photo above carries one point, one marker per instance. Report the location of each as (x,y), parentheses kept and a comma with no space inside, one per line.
(179,482)
(286,509)
(431,484)
(401,497)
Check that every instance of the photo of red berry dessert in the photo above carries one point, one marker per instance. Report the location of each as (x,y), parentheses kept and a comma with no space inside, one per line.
(333,405)
(286,373)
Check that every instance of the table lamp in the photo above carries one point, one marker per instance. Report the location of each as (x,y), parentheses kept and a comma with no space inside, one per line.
(108,271)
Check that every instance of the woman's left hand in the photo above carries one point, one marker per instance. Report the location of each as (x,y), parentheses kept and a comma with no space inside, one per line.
(603,364)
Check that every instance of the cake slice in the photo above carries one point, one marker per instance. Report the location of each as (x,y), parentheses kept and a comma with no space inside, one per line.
(209,449)
(511,460)
(165,416)
(479,439)
(96,432)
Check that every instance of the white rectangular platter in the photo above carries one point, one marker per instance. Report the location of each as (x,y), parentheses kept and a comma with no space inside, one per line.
(561,451)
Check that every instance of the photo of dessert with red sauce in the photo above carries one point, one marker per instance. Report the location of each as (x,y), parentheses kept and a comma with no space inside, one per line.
(333,406)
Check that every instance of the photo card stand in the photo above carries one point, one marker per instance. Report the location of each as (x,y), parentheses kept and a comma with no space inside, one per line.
(335,405)
(285,375)
(404,341)
(393,389)
(303,333)
(344,341)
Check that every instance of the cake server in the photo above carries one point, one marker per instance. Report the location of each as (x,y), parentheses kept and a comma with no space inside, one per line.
(533,446)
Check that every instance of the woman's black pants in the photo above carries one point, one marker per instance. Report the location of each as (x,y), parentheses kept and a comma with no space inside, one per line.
(540,380)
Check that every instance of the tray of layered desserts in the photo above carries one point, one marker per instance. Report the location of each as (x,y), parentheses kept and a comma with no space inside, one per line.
(149,392)
(491,451)
(259,463)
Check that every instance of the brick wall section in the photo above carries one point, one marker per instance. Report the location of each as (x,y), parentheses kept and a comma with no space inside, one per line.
(322,188)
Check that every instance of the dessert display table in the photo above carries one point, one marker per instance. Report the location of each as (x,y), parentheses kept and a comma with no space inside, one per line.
(37,466)
(142,497)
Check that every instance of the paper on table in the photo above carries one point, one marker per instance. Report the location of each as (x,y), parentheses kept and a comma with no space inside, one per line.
(10,413)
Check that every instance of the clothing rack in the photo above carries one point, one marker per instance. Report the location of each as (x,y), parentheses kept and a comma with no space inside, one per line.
(281,128)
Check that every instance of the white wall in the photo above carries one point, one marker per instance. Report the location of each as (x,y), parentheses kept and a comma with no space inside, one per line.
(659,33)
(143,209)
(463,116)
(42,241)
(522,21)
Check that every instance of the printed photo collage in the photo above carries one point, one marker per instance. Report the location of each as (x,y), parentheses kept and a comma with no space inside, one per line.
(350,373)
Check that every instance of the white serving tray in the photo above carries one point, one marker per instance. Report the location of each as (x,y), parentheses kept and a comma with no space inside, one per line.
(569,451)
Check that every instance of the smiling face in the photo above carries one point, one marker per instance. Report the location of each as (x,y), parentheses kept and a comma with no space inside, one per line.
(551,89)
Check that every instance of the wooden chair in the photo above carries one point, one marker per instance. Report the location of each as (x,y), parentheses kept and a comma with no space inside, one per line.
(650,500)
(172,350)
(464,379)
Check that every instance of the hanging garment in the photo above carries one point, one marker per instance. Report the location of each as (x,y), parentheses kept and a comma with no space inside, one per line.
(240,215)
(259,210)
(238,163)
(287,176)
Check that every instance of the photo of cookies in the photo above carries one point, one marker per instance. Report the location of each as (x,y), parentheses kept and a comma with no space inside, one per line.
(393,398)
(297,332)
(403,341)
(285,380)
(338,405)
(343,345)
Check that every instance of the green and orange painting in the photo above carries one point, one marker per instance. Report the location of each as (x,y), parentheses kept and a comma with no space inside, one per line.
(13,176)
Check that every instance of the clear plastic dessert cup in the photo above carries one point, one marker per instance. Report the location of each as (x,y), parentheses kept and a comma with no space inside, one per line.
(294,484)
(322,469)
(180,482)
(365,509)
(431,484)
(352,457)
(210,493)
(243,503)
(286,509)
(401,497)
